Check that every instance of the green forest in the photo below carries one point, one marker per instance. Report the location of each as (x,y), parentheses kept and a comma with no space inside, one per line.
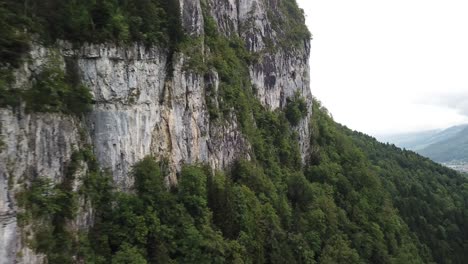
(355,201)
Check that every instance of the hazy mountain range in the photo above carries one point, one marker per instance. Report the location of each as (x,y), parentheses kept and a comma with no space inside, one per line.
(444,146)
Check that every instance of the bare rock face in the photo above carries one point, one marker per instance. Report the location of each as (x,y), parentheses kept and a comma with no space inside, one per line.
(34,145)
(192,17)
(141,108)
(127,84)
(140,111)
(280,72)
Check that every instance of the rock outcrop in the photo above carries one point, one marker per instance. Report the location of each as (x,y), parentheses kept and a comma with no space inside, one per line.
(142,107)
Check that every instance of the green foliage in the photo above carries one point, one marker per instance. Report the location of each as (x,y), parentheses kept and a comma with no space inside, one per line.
(148,176)
(8,97)
(288,20)
(128,255)
(149,21)
(47,208)
(42,198)
(342,208)
(192,191)
(339,251)
(193,49)
(154,223)
(250,216)
(430,198)
(14,41)
(54,92)
(296,109)
(270,134)
(335,212)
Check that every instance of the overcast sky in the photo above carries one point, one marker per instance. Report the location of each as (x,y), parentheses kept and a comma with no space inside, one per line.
(385,67)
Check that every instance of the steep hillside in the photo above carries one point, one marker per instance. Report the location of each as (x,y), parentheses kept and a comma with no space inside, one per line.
(431,198)
(184,131)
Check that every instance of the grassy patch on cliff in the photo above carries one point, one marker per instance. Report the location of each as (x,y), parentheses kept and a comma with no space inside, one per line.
(296,109)
(56,91)
(48,208)
(53,91)
(288,21)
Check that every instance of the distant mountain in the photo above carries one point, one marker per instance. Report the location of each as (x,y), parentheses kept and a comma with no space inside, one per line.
(412,141)
(453,148)
(439,145)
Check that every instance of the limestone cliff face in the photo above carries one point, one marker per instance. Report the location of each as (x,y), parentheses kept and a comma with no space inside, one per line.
(142,107)
(279,72)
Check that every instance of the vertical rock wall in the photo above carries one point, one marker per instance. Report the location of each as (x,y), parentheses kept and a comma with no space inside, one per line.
(280,71)
(142,109)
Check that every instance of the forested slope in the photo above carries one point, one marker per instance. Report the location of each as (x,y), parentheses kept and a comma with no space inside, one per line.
(431,198)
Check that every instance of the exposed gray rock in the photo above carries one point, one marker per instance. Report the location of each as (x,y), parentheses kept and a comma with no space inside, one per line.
(127,84)
(279,76)
(192,17)
(280,73)
(36,145)
(141,110)
(7,237)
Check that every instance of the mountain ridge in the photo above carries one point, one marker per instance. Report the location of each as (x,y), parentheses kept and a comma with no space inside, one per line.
(445,146)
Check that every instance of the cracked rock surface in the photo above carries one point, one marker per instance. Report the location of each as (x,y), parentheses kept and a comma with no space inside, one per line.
(141,110)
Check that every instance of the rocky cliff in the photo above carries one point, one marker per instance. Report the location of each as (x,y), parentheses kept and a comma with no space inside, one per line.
(147,101)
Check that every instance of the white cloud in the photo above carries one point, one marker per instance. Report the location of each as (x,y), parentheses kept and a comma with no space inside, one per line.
(457,101)
(377,65)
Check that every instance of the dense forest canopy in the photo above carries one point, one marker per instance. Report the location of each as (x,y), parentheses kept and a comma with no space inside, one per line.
(150,21)
(354,201)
